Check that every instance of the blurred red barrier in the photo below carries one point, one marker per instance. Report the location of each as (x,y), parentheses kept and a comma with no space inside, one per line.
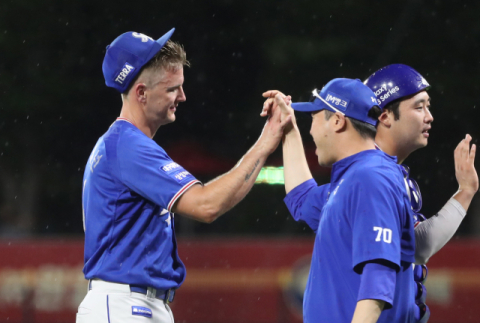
(228,280)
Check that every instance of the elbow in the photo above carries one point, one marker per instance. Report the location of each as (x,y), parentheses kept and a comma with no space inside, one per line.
(421,258)
(209,218)
(209,214)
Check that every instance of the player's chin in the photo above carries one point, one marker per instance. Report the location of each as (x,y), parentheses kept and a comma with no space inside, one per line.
(422,142)
(171,117)
(322,161)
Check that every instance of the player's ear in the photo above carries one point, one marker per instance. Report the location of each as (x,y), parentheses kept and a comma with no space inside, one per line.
(386,118)
(140,92)
(339,122)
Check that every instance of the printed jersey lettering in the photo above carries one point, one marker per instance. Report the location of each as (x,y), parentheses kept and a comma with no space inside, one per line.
(142,311)
(383,234)
(175,170)
(171,167)
(338,186)
(169,220)
(182,175)
(95,159)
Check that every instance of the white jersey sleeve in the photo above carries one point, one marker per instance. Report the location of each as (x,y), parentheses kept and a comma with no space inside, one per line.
(432,234)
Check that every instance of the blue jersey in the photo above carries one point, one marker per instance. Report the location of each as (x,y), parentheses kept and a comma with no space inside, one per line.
(129,187)
(363,215)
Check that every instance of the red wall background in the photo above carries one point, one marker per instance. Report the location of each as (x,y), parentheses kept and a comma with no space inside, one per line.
(228,280)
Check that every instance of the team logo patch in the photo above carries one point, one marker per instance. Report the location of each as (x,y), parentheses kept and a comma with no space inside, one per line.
(168,168)
(142,311)
(126,70)
(337,101)
(143,37)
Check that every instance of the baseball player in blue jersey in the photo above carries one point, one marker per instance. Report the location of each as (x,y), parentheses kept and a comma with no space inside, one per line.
(364,247)
(403,127)
(132,188)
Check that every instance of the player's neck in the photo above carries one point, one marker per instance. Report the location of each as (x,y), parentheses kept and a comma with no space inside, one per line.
(351,145)
(138,119)
(391,147)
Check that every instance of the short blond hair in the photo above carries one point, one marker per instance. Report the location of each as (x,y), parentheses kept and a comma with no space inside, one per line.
(171,57)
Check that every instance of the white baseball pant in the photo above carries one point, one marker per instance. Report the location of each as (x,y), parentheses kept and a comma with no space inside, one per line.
(108,302)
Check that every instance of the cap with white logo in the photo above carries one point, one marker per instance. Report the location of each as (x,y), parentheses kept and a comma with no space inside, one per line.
(350,97)
(127,54)
(394,82)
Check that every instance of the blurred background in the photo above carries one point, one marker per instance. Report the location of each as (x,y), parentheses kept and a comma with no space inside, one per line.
(250,265)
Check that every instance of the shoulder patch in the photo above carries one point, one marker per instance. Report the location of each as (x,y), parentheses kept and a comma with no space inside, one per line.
(181,175)
(176,171)
(170,167)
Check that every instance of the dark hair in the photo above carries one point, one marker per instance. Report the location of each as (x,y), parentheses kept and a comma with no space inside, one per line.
(394,107)
(366,130)
(171,56)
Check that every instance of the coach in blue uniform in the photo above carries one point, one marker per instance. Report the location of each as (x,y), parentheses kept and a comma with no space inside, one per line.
(364,247)
(131,187)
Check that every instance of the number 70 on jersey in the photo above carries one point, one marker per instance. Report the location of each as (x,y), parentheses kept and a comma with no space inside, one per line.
(383,234)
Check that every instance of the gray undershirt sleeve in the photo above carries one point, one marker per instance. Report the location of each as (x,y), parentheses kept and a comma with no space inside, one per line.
(432,234)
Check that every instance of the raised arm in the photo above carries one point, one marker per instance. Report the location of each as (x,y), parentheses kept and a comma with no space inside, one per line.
(465,172)
(206,203)
(432,234)
(295,165)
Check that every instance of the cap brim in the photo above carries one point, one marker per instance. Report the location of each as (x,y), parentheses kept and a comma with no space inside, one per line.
(305,106)
(162,40)
(317,105)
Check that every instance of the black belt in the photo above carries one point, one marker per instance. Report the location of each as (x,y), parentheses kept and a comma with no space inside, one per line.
(166,295)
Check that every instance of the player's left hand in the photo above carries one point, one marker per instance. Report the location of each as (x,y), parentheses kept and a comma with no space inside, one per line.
(270,103)
(465,172)
(273,131)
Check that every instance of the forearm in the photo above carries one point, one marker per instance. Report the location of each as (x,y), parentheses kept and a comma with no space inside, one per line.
(207,203)
(432,234)
(295,164)
(225,191)
(368,311)
(464,197)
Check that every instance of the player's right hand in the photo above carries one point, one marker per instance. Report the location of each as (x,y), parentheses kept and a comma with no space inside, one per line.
(272,103)
(269,103)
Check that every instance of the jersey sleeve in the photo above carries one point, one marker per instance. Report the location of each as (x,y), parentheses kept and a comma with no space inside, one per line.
(378,213)
(305,202)
(145,168)
(377,282)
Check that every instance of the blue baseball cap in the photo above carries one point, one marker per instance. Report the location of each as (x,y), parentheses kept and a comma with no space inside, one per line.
(349,97)
(394,82)
(127,54)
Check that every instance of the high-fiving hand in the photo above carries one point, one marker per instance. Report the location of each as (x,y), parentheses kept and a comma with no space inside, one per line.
(277,100)
(465,172)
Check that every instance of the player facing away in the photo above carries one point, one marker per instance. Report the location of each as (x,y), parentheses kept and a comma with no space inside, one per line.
(131,187)
(403,127)
(361,267)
